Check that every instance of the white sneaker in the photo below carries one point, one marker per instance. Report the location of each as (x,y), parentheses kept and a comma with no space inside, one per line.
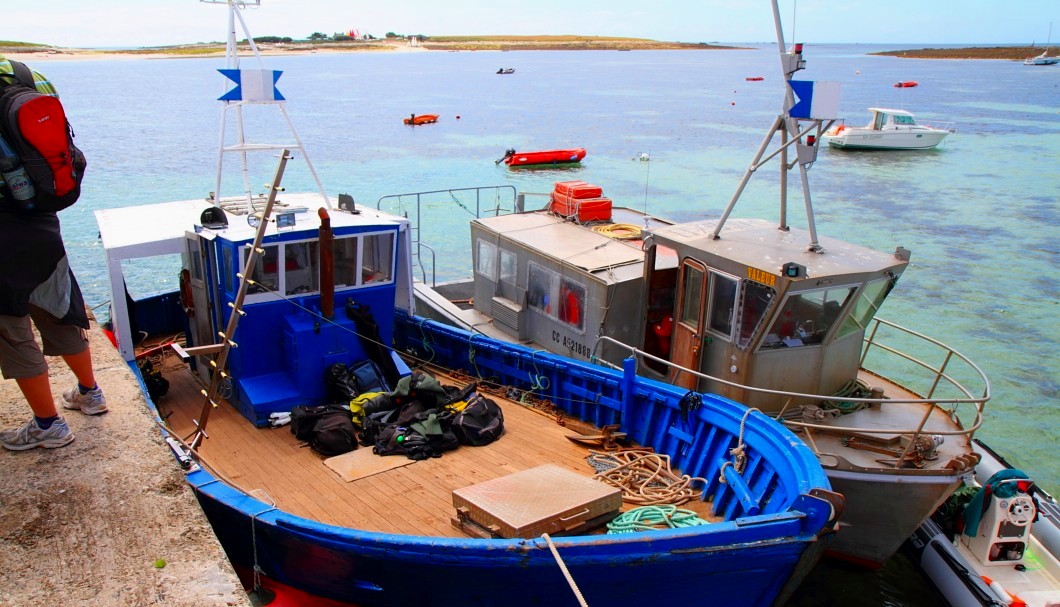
(31,435)
(90,403)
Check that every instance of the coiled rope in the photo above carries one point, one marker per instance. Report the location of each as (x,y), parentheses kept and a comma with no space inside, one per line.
(619,231)
(647,518)
(644,477)
(854,388)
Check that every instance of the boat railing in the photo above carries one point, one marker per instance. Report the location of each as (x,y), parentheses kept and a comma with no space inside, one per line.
(480,201)
(953,382)
(942,126)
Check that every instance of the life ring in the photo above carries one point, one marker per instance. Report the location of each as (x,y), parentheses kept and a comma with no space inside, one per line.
(187,299)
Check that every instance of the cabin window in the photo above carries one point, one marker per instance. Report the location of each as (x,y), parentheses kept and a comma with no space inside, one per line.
(266,271)
(805,318)
(754,302)
(542,289)
(301,267)
(486,259)
(722,303)
(378,258)
(508,266)
(866,306)
(345,253)
(226,268)
(572,303)
(905,120)
(691,296)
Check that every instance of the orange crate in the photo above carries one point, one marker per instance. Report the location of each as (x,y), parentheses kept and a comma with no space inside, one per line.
(588,209)
(577,189)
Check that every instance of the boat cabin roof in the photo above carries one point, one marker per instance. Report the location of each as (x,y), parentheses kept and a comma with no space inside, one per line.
(574,244)
(158,229)
(759,244)
(883,110)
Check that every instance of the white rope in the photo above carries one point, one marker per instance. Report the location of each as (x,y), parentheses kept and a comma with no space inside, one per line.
(739,457)
(563,568)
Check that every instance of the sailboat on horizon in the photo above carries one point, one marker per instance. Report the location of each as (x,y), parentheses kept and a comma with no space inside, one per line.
(1044,58)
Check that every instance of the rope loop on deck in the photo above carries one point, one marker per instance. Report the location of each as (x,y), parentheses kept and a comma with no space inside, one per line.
(644,477)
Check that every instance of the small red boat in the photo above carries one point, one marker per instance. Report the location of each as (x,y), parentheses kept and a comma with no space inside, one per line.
(908,84)
(754,78)
(415,119)
(514,159)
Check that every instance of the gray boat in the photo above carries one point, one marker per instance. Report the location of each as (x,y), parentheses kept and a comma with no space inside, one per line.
(772,316)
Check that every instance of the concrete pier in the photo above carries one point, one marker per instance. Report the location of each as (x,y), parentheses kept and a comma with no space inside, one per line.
(107,519)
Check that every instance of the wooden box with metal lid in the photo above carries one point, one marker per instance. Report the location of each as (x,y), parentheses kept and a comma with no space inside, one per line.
(545,499)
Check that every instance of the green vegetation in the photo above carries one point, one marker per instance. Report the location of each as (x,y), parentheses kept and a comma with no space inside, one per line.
(1014,53)
(10,44)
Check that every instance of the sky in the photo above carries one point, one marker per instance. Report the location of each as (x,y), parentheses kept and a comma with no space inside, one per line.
(139,23)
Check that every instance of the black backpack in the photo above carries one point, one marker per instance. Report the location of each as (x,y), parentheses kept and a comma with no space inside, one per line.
(479,423)
(328,429)
(35,127)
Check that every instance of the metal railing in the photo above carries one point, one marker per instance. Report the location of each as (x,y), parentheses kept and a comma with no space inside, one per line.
(943,389)
(505,200)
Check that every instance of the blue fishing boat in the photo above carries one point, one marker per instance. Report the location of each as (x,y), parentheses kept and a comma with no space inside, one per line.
(278,290)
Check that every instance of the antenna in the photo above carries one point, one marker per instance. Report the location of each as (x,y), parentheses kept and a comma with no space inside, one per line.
(804,101)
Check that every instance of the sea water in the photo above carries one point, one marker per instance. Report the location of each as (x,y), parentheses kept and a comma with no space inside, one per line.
(980,213)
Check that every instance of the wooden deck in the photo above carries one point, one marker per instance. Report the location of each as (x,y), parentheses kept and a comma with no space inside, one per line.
(413,499)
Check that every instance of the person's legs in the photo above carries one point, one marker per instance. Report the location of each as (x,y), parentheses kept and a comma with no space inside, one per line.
(70,342)
(21,359)
(81,365)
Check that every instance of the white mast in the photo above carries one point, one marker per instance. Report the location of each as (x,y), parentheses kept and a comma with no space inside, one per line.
(252,87)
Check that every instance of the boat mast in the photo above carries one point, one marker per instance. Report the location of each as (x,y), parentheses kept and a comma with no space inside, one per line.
(788,123)
(252,87)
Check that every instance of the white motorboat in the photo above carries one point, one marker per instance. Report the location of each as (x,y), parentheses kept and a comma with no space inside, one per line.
(888,130)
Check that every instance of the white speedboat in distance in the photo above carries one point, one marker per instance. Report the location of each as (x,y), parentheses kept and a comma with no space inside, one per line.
(888,130)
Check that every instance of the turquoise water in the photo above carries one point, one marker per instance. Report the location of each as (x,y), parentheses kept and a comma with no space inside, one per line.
(980,214)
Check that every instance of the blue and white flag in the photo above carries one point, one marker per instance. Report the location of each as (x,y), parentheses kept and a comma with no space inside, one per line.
(814,100)
(252,85)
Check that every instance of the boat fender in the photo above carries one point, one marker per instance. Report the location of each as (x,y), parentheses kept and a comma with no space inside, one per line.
(187,299)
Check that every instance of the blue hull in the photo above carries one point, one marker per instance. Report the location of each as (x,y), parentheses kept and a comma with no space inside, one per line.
(748,559)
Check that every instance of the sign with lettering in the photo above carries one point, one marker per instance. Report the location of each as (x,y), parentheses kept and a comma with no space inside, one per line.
(765,278)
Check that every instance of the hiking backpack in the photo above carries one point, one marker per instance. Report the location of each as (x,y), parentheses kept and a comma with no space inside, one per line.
(35,126)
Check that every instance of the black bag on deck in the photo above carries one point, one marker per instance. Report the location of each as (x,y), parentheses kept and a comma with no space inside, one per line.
(328,429)
(479,423)
(333,434)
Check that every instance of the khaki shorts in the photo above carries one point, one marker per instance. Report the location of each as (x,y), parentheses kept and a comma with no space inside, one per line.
(21,355)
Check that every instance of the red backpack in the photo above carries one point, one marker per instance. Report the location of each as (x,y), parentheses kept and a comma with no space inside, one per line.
(35,127)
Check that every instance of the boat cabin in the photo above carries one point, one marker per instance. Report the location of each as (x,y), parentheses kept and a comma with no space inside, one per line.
(755,307)
(884,119)
(545,279)
(281,349)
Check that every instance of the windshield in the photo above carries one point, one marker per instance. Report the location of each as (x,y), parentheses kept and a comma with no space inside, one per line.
(805,318)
